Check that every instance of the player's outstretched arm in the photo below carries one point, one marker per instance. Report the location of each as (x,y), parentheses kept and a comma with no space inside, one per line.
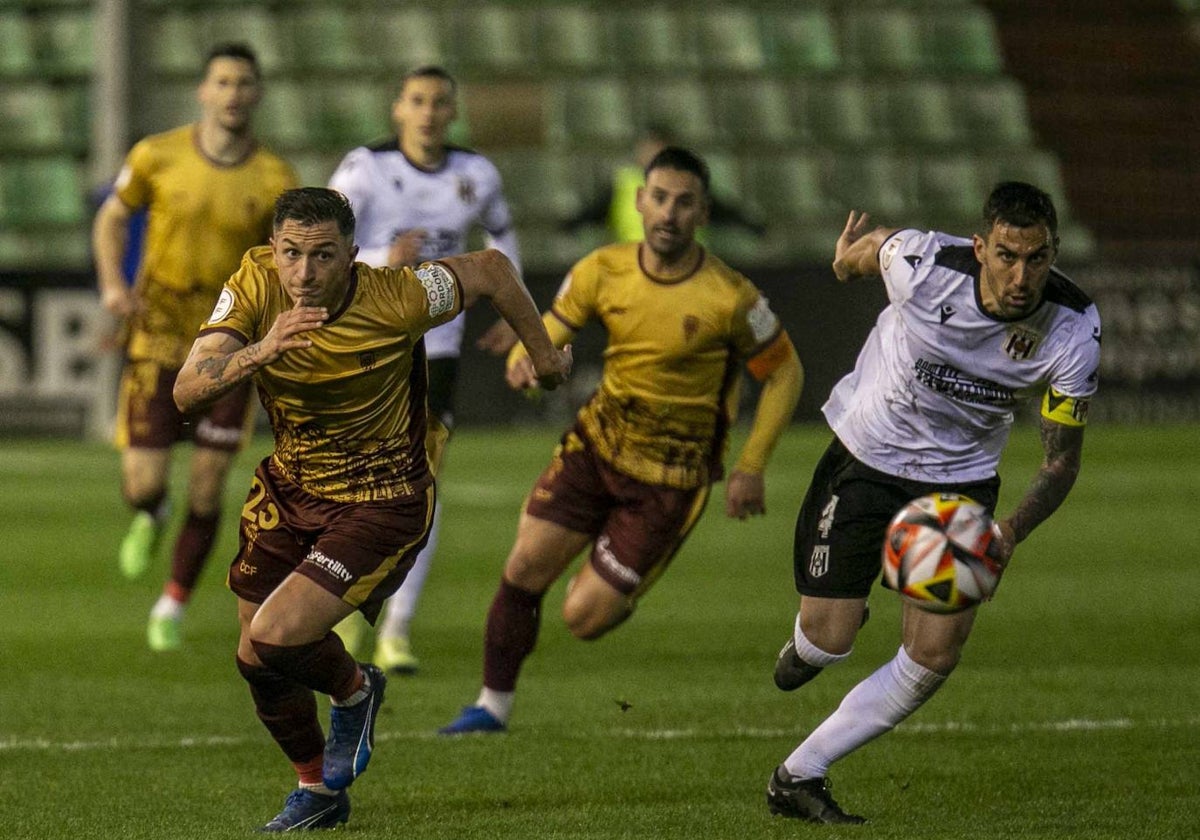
(1063,447)
(491,275)
(856,253)
(110,231)
(218,361)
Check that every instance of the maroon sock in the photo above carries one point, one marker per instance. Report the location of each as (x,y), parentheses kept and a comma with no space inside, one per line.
(512,630)
(322,666)
(288,710)
(191,549)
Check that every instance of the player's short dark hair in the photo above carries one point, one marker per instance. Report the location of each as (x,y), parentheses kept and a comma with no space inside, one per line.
(314,206)
(429,71)
(1020,205)
(233,49)
(683,160)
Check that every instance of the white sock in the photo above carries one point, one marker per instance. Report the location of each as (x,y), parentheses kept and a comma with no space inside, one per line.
(401,607)
(872,707)
(167,607)
(358,696)
(812,654)
(319,788)
(499,703)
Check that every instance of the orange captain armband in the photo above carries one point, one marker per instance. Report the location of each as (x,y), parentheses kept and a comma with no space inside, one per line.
(1070,411)
(763,363)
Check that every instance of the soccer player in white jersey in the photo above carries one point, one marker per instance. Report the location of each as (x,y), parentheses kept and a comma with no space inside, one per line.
(974,328)
(417,198)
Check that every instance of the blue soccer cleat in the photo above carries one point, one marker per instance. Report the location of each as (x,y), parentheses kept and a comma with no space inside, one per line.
(473,719)
(305,810)
(352,734)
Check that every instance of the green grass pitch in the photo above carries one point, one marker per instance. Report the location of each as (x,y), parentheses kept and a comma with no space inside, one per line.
(1075,712)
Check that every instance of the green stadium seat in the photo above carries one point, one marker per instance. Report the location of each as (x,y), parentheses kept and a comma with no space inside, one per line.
(571,38)
(407,37)
(652,38)
(18,53)
(788,188)
(315,168)
(729,40)
(327,38)
(755,112)
(993,113)
(178,42)
(679,103)
(951,191)
(834,112)
(594,111)
(257,28)
(30,118)
(42,191)
(800,39)
(348,114)
(282,119)
(962,42)
(494,38)
(65,43)
(878,182)
(1035,166)
(881,40)
(165,105)
(914,113)
(541,187)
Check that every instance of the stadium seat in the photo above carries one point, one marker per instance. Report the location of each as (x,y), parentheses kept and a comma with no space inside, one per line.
(878,182)
(961,42)
(834,112)
(571,38)
(178,42)
(728,39)
(282,120)
(595,111)
(914,113)
(993,113)
(755,112)
(65,43)
(652,38)
(259,29)
(787,188)
(42,191)
(680,103)
(17,51)
(800,39)
(494,38)
(541,187)
(315,168)
(30,118)
(881,40)
(327,38)
(345,114)
(951,190)
(407,37)
(165,105)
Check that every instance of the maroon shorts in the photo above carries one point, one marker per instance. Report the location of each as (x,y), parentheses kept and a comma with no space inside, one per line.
(358,551)
(147,417)
(636,527)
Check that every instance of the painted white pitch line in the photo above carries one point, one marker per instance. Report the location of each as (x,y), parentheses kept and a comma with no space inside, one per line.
(13,744)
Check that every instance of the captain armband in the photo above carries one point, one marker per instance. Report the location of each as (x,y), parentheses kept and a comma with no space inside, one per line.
(1069,411)
(767,360)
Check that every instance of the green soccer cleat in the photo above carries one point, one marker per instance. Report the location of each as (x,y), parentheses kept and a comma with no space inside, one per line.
(138,547)
(163,635)
(394,655)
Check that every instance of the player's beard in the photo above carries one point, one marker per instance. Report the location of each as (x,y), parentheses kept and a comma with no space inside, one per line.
(669,249)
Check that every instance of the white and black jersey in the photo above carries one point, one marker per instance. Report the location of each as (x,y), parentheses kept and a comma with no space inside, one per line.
(390,195)
(932,394)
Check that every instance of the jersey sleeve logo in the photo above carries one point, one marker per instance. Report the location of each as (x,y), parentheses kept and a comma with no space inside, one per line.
(223,308)
(762,321)
(439,288)
(889,252)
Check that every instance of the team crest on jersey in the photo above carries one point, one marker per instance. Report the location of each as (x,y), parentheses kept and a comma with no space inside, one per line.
(690,325)
(439,288)
(466,190)
(223,308)
(1020,343)
(367,359)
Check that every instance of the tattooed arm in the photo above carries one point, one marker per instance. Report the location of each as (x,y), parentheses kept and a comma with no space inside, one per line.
(1063,446)
(219,361)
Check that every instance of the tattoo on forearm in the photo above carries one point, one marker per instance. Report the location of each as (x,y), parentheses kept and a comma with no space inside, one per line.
(1063,446)
(213,367)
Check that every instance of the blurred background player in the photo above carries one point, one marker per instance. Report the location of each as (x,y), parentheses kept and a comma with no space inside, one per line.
(417,198)
(975,327)
(209,189)
(338,511)
(633,475)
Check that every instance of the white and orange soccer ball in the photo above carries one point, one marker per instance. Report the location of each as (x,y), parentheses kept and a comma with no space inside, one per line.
(935,553)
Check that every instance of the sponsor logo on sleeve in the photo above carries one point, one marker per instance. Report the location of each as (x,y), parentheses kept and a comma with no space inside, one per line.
(763,323)
(439,288)
(564,287)
(889,252)
(223,308)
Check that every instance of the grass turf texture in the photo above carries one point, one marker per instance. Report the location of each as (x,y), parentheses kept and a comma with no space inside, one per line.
(1073,715)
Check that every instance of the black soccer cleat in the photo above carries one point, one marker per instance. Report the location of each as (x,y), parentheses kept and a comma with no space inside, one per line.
(805,799)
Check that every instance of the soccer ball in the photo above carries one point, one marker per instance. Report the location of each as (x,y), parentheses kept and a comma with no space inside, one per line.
(935,553)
